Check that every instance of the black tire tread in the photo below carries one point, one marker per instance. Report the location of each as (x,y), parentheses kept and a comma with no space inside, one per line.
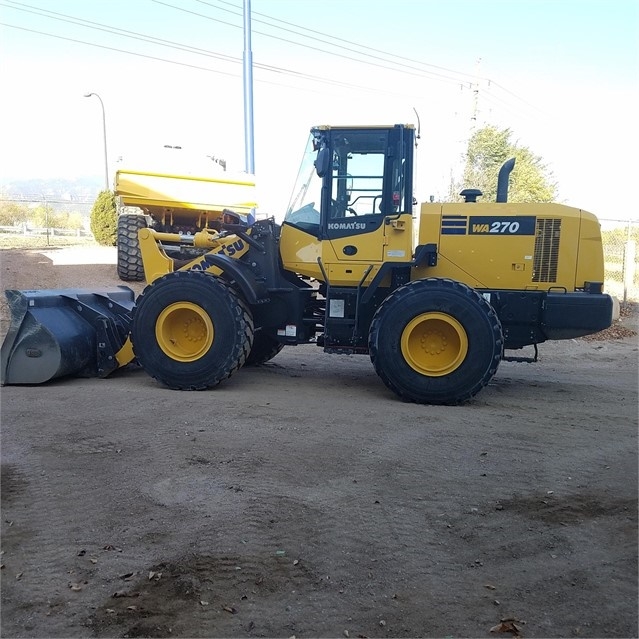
(233,299)
(129,263)
(397,298)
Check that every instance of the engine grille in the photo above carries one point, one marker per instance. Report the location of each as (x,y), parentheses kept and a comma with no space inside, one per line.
(546,256)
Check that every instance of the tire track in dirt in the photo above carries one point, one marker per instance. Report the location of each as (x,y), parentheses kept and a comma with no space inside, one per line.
(48,564)
(63,562)
(269,507)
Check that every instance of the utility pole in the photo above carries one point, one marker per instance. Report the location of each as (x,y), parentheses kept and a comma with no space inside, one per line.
(249,153)
(473,117)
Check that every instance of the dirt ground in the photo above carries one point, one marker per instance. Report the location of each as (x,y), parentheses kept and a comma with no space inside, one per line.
(302,499)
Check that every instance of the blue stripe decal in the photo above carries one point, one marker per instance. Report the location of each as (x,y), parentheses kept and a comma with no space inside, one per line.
(454,231)
(454,225)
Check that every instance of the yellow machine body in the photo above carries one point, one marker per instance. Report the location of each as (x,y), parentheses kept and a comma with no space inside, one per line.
(512,246)
(485,245)
(391,242)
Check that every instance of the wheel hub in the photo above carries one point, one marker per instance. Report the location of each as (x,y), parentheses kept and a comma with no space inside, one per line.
(184,331)
(434,344)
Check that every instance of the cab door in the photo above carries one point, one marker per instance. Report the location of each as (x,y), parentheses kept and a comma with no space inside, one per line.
(368,186)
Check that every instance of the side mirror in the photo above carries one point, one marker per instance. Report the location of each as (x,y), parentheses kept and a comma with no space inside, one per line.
(322,162)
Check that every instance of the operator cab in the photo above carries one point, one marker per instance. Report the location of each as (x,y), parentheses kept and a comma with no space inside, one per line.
(352,179)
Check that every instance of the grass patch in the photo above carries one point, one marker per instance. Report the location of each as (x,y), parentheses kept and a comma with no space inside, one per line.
(11,241)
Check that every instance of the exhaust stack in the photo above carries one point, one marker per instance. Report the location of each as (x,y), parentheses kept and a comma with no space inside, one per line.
(502,180)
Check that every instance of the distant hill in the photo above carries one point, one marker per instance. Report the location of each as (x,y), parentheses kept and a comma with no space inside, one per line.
(78,189)
(77,194)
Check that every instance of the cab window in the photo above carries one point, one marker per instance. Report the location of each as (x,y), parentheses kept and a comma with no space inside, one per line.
(358,174)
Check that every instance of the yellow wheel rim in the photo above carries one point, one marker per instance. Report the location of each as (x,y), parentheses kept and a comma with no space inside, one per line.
(184,331)
(434,344)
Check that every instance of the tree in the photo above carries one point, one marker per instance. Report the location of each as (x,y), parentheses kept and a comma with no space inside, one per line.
(104,219)
(45,216)
(73,221)
(42,216)
(12,213)
(488,149)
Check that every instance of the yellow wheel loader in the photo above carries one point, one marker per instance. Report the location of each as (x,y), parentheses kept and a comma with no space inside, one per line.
(436,294)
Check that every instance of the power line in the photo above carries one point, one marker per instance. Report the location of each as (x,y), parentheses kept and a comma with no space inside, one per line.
(175,45)
(273,69)
(316,33)
(102,46)
(469,77)
(419,73)
(162,42)
(231,59)
(54,15)
(170,44)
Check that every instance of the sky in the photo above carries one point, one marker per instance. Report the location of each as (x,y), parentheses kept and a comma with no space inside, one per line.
(562,75)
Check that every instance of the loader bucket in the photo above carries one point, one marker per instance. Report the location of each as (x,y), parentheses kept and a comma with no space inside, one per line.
(59,332)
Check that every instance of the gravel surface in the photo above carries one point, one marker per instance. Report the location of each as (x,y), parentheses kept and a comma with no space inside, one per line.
(302,498)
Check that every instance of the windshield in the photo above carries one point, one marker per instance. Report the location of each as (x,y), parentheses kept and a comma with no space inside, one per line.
(305,199)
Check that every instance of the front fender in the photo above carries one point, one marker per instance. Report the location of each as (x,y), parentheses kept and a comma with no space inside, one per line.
(253,290)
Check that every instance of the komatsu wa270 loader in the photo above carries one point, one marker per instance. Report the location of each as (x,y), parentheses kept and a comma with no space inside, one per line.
(436,294)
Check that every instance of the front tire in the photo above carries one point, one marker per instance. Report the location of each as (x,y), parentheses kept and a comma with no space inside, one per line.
(191,330)
(435,341)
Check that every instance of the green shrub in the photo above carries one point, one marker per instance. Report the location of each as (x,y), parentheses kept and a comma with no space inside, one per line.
(104,219)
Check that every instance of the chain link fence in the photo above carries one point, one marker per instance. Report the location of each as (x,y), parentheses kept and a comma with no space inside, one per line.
(52,218)
(621,276)
(69,204)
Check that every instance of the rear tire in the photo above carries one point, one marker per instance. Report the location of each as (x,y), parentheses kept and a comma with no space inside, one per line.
(264,349)
(435,341)
(130,266)
(191,330)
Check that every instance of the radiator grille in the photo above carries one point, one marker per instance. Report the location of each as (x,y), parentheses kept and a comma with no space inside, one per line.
(546,257)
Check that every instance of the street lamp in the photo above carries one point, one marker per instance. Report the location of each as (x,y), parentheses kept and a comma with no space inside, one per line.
(106,161)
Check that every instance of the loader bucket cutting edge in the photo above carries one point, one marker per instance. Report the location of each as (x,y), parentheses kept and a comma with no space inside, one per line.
(59,332)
